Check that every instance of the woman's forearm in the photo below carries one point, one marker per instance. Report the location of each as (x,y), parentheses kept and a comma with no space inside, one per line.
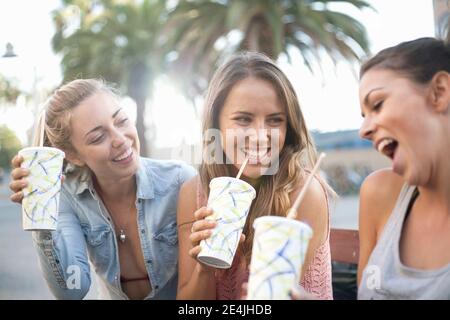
(200,286)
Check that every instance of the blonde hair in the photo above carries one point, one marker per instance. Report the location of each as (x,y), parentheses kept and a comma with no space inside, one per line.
(297,153)
(58,110)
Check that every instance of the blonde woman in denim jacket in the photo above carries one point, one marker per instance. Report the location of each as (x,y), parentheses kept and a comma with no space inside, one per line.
(117,210)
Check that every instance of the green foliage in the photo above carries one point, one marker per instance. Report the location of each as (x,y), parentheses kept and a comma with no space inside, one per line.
(8,91)
(120,41)
(9,146)
(131,42)
(272,27)
(109,38)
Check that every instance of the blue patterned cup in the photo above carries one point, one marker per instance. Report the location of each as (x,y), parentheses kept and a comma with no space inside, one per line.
(278,252)
(230,199)
(41,197)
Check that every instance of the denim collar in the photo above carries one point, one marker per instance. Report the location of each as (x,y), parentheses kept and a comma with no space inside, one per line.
(144,182)
(82,181)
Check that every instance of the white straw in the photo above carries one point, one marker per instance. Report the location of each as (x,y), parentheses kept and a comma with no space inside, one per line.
(242,168)
(41,128)
(293,211)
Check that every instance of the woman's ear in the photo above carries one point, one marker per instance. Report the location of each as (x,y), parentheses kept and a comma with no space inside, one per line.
(73,158)
(440,92)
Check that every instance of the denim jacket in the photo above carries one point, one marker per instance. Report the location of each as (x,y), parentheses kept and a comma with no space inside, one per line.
(85,229)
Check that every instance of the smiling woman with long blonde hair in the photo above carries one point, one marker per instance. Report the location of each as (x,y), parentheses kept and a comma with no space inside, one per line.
(117,209)
(249,92)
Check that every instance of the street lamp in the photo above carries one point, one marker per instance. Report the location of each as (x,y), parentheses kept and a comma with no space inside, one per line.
(9,51)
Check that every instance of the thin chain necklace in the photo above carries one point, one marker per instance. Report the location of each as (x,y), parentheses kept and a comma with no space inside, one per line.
(122,237)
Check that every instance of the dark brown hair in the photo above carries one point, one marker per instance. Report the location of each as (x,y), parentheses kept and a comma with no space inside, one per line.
(419,60)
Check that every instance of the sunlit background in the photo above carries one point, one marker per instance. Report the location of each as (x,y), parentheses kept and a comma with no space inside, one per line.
(329,100)
(328,94)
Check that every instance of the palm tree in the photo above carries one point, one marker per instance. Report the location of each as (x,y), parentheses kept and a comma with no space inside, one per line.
(118,40)
(206,31)
(447,29)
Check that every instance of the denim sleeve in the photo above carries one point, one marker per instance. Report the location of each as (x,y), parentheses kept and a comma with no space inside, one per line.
(187,172)
(62,255)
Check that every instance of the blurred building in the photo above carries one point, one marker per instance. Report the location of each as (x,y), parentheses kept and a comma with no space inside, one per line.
(349,159)
(347,149)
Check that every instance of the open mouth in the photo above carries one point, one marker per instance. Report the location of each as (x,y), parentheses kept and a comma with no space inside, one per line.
(256,155)
(387,146)
(125,156)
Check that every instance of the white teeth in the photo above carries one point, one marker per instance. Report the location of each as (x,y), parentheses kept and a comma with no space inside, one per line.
(124,155)
(255,153)
(385,142)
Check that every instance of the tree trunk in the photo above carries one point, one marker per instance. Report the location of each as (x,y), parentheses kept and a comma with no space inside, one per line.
(138,90)
(447,38)
(258,37)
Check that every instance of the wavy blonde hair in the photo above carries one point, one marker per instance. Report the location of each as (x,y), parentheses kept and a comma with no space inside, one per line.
(297,153)
(58,110)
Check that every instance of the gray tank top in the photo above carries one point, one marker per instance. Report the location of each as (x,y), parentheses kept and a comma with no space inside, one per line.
(385,277)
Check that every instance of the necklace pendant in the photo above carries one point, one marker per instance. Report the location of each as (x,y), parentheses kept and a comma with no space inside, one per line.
(122,236)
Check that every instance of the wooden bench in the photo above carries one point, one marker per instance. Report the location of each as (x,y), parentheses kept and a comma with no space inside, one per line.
(344,245)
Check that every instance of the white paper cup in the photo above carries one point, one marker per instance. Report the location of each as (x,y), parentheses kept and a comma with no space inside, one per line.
(230,199)
(41,196)
(278,253)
